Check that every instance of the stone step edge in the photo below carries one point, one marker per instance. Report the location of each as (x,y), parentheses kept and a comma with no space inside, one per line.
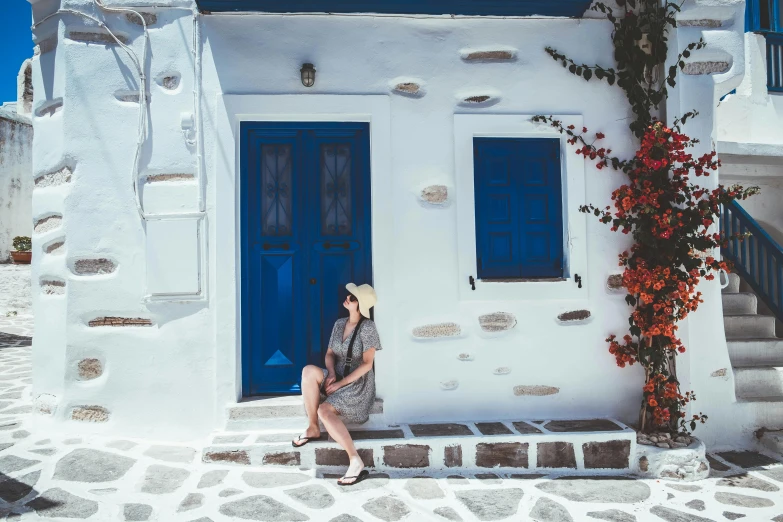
(527,452)
(409,435)
(284,411)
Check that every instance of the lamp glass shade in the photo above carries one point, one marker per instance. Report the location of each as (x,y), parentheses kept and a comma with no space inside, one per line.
(308,75)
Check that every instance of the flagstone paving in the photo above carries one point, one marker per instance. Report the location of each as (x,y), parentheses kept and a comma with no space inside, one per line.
(45,476)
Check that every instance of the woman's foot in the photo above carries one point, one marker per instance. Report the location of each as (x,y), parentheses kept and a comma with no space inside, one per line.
(311,433)
(355,468)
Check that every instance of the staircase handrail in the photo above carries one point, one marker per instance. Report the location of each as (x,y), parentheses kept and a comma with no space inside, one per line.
(758,258)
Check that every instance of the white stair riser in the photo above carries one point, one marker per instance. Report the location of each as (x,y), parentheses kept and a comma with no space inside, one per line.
(376,421)
(768,413)
(734,284)
(749,326)
(756,352)
(763,382)
(739,304)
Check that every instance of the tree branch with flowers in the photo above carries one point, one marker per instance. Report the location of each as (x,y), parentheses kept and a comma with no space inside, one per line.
(669,218)
(667,215)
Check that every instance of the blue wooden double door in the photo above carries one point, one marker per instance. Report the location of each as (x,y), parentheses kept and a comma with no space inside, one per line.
(519,208)
(305,219)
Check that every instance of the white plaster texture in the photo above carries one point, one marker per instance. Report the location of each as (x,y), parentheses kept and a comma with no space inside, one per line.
(16,177)
(686,464)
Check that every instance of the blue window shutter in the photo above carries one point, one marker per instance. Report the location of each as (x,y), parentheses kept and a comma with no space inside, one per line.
(519,213)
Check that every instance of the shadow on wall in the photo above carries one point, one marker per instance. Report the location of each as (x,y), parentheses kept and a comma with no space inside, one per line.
(773,231)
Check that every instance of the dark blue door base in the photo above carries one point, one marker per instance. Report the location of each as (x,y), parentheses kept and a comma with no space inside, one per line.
(305,233)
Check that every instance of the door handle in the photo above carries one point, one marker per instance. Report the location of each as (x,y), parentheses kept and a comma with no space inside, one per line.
(329,245)
(267,246)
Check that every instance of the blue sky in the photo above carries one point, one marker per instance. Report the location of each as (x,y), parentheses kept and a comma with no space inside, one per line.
(16,44)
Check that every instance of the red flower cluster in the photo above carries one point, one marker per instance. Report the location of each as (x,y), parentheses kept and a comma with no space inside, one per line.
(669,219)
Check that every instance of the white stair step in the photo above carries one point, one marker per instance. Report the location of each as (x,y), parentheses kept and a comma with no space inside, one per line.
(282,413)
(760,383)
(742,303)
(734,284)
(749,326)
(755,352)
(760,411)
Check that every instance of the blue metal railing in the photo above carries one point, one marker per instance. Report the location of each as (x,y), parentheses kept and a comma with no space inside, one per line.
(758,258)
(774,61)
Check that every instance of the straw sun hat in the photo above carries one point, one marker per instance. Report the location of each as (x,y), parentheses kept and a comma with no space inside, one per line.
(365,294)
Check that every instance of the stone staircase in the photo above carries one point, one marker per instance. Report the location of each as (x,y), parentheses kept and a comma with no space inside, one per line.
(757,360)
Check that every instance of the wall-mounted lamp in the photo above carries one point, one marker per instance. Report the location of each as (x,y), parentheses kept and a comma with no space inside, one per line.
(308,74)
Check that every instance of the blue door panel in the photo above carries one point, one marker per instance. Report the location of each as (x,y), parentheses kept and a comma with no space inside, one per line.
(334,270)
(518,197)
(305,209)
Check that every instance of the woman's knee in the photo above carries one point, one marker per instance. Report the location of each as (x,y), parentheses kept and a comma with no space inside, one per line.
(312,372)
(326,410)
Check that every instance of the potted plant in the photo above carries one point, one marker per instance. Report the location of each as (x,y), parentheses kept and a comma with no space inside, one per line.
(21,254)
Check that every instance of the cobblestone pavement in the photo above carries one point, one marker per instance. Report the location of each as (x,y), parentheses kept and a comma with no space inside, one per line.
(44,476)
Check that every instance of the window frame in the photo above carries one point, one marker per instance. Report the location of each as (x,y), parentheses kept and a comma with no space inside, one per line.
(753,17)
(572,171)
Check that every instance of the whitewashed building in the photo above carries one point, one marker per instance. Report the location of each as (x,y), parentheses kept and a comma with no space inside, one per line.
(749,134)
(191,250)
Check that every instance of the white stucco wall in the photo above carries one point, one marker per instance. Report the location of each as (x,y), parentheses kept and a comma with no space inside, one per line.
(175,378)
(16,179)
(749,127)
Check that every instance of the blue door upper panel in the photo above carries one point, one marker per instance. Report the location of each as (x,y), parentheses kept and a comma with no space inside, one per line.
(565,8)
(519,212)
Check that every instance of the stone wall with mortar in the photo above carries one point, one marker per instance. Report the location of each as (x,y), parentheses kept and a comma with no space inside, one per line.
(16,178)
(174,375)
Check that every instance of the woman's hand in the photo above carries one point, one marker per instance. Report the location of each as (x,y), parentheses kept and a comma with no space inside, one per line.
(330,378)
(334,386)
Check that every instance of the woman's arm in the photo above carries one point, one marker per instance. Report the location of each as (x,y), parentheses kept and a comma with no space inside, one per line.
(363,368)
(329,360)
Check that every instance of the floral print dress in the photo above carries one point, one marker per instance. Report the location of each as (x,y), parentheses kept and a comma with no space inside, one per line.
(354,401)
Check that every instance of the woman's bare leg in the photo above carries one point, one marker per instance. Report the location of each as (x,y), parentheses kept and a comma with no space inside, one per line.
(337,430)
(312,377)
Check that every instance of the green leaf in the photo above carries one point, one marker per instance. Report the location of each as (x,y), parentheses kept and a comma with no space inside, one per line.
(572,69)
(588,74)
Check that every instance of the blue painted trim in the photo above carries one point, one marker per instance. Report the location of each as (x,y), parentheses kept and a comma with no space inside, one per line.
(753,16)
(566,8)
(774,59)
(758,259)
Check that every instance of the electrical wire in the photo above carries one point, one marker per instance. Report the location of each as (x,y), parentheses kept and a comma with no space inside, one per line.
(141,67)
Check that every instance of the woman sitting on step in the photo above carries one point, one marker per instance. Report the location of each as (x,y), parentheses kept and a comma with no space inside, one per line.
(345,390)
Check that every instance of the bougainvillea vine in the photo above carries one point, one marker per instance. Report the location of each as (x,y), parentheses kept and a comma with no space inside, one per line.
(669,218)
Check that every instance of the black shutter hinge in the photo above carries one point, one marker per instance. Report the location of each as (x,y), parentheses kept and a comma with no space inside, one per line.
(472,282)
(578,280)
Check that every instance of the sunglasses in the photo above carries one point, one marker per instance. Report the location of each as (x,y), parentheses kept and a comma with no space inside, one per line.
(352,298)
